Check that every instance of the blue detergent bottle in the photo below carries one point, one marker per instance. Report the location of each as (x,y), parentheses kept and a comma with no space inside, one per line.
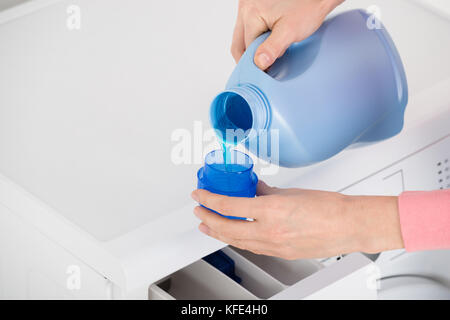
(343,85)
(231,175)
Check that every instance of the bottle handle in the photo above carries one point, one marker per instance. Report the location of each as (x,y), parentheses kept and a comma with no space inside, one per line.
(251,50)
(249,54)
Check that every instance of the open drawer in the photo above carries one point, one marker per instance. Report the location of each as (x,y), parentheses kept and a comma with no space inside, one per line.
(263,277)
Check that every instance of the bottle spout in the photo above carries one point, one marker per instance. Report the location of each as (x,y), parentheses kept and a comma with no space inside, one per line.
(238,113)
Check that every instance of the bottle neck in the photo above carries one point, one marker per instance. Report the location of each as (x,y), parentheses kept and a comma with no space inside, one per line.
(243,107)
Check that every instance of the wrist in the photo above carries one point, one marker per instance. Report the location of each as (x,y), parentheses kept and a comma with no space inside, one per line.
(376,223)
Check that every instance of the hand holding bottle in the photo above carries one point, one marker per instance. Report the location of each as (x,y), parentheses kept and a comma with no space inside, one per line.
(290,21)
(297,223)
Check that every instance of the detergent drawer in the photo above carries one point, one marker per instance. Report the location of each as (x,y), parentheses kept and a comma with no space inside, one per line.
(262,277)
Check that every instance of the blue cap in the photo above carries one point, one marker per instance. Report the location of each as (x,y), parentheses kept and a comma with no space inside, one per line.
(234,178)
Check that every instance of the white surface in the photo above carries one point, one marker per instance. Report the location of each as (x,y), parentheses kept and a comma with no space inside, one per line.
(34,267)
(86,117)
(6,4)
(440,7)
(414,288)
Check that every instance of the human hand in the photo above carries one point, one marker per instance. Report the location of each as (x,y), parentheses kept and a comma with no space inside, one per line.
(297,223)
(290,21)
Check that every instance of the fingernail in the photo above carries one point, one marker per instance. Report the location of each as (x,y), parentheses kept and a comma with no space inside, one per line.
(203,228)
(194,196)
(263,61)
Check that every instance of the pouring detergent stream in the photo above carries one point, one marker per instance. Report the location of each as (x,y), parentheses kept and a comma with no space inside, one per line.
(344,85)
(230,125)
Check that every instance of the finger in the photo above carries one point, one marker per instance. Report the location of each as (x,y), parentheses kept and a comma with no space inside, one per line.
(262,189)
(228,206)
(230,228)
(275,45)
(253,28)
(254,246)
(238,43)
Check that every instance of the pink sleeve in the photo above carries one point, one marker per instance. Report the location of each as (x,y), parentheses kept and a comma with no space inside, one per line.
(425,219)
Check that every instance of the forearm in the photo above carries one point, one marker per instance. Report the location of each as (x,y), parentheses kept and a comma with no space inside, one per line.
(416,220)
(375,222)
(297,223)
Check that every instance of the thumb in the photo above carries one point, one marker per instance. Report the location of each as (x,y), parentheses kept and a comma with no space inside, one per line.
(274,46)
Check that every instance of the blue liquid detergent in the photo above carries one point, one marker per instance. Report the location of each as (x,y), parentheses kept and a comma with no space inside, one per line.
(226,149)
(343,85)
(228,172)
